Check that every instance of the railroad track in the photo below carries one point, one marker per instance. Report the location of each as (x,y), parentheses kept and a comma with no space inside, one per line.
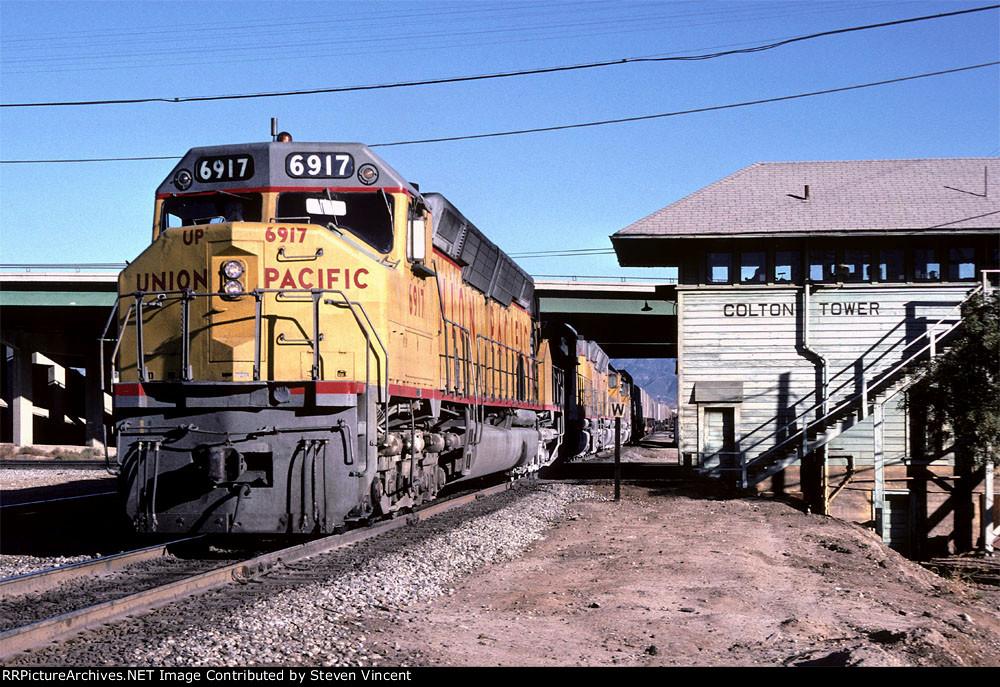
(40,632)
(52,464)
(45,580)
(9,507)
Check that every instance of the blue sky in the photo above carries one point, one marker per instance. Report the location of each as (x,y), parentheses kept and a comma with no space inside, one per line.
(566,189)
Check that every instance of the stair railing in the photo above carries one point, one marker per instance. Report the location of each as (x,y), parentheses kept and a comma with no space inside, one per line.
(932,335)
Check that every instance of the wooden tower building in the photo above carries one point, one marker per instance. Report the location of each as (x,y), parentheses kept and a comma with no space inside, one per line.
(807,293)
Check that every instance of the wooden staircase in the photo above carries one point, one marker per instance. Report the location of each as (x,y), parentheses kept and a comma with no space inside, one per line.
(844,407)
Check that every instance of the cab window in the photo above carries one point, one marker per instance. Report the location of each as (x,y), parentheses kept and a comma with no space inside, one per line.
(186,211)
(366,215)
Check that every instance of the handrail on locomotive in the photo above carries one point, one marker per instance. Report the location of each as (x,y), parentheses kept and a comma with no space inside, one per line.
(186,296)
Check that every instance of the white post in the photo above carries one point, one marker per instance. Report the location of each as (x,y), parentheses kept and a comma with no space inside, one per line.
(878,495)
(864,398)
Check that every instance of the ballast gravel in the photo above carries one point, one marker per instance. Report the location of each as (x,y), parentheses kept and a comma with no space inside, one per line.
(25,478)
(12,479)
(14,565)
(308,613)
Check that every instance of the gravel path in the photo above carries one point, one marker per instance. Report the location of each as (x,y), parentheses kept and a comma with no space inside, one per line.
(308,613)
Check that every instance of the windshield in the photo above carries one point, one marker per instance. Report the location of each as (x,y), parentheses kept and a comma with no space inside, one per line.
(185,211)
(366,215)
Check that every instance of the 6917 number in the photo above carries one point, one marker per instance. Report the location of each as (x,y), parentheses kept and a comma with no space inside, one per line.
(319,165)
(224,168)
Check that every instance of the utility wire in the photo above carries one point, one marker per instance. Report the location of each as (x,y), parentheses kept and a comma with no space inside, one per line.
(566,252)
(500,75)
(684,112)
(418,15)
(585,124)
(374,29)
(92,159)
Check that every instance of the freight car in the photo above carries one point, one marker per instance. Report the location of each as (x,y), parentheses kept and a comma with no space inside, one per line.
(648,414)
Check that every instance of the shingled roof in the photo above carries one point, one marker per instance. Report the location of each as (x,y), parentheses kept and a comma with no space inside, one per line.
(868,196)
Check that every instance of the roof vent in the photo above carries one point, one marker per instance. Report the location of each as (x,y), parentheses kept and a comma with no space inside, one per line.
(804,196)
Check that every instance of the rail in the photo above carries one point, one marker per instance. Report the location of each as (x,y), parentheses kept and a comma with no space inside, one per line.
(20,639)
(456,360)
(458,375)
(487,371)
(44,580)
(506,373)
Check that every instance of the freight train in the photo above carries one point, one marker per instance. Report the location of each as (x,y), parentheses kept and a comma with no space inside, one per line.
(309,341)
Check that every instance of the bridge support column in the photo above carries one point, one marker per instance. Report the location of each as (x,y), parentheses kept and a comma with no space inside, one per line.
(22,409)
(54,398)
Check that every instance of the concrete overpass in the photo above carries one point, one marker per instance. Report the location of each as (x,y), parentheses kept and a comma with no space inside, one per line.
(50,323)
(629,319)
(51,320)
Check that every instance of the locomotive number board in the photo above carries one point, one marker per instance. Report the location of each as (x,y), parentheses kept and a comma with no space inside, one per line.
(319,165)
(224,168)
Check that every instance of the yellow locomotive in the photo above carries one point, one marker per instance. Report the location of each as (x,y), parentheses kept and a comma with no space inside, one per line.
(620,401)
(309,340)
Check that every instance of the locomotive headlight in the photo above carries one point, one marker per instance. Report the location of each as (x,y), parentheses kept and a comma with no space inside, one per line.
(233,270)
(368,174)
(233,287)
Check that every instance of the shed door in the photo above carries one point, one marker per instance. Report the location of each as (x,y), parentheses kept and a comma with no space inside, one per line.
(718,435)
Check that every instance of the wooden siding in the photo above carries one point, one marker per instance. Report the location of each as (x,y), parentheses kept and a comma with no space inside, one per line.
(752,335)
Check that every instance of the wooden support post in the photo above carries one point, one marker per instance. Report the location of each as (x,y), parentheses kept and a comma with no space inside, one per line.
(618,458)
(824,486)
(878,495)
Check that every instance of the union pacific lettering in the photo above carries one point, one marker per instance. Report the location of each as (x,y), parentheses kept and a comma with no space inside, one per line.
(316,278)
(171,281)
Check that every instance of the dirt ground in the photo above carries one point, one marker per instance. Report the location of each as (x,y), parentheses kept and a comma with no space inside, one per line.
(675,575)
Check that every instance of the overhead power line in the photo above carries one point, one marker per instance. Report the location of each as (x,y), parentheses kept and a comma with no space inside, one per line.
(566,252)
(622,120)
(499,75)
(372,34)
(684,112)
(93,159)
(274,24)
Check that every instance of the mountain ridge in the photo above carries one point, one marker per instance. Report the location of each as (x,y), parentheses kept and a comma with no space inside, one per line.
(658,376)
